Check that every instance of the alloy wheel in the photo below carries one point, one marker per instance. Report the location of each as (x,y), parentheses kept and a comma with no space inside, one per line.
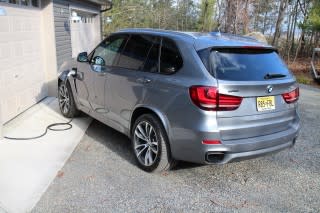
(64,99)
(146,143)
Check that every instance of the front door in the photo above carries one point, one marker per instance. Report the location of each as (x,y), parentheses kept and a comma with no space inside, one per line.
(92,75)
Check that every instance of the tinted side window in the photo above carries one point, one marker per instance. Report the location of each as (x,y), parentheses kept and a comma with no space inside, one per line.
(170,60)
(109,49)
(152,62)
(135,53)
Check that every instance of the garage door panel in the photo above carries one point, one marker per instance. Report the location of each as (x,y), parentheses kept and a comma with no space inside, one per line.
(85,35)
(23,81)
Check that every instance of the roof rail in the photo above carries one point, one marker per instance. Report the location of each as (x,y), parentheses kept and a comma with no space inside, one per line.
(157,30)
(234,36)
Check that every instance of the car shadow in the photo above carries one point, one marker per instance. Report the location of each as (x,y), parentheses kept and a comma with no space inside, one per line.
(121,144)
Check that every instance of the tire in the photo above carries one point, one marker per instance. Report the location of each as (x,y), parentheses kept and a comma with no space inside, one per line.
(150,144)
(67,104)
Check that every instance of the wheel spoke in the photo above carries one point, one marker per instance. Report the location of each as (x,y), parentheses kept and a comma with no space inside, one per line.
(62,92)
(142,132)
(139,153)
(139,135)
(139,146)
(65,109)
(146,158)
(155,151)
(150,131)
(149,156)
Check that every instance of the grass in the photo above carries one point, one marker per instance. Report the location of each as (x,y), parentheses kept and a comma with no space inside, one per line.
(303,79)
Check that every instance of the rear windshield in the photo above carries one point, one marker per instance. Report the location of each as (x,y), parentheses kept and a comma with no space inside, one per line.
(244,64)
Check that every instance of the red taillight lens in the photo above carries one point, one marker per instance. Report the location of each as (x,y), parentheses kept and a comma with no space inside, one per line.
(208,98)
(292,96)
(211,142)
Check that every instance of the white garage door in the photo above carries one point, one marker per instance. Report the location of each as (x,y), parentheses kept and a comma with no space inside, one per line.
(21,61)
(85,33)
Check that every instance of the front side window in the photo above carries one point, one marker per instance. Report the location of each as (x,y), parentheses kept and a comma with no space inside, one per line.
(106,53)
(136,51)
(170,60)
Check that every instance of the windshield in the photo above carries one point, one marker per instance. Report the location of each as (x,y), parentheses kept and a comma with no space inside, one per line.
(247,64)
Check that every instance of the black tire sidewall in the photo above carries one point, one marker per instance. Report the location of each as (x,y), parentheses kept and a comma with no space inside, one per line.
(161,140)
(72,109)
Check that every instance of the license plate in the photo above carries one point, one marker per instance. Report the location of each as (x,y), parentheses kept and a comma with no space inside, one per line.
(266,103)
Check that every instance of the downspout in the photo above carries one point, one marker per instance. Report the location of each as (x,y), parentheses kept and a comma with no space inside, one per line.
(101,20)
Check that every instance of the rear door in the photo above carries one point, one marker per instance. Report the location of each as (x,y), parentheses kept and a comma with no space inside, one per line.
(261,78)
(130,76)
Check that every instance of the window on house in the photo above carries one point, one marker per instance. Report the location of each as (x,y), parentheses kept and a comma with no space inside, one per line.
(27,3)
(10,1)
(35,3)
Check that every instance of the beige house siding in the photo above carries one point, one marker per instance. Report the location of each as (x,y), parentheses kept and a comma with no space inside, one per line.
(34,42)
(21,61)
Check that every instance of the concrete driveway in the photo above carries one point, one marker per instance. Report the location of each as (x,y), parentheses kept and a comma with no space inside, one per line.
(101,176)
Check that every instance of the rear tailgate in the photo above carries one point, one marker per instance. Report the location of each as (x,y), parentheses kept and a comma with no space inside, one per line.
(247,121)
(259,76)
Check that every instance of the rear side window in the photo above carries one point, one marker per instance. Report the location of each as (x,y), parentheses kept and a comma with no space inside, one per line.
(170,59)
(135,53)
(246,64)
(152,62)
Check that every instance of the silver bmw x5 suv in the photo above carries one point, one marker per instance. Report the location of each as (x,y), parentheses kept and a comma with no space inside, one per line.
(199,97)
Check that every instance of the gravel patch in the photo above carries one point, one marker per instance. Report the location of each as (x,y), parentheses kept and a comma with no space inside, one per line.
(101,176)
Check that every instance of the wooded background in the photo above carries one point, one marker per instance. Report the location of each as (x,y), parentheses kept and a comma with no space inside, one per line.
(291,25)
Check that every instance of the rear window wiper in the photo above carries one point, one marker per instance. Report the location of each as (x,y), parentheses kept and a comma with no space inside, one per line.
(274,75)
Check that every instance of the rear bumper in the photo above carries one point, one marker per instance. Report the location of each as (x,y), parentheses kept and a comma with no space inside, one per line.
(222,158)
(237,150)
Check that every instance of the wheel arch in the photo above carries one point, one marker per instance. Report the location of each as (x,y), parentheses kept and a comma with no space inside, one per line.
(63,76)
(140,110)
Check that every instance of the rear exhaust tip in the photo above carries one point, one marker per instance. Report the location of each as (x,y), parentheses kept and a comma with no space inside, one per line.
(215,157)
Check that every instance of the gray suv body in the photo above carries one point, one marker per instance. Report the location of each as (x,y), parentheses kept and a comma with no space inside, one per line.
(197,97)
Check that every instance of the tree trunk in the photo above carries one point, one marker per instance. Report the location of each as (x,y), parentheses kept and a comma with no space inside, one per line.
(246,18)
(282,9)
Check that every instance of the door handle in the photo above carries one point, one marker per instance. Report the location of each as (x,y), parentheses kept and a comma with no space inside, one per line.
(146,80)
(102,74)
(143,80)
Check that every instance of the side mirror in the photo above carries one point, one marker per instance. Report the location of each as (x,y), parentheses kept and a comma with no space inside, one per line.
(83,57)
(97,60)
(98,64)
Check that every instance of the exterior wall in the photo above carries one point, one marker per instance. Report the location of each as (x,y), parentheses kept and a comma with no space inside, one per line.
(49,46)
(61,14)
(34,42)
(21,61)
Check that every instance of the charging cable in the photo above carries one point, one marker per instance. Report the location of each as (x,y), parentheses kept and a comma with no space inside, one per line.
(52,127)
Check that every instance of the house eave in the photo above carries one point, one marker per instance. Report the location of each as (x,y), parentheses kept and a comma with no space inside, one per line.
(101,2)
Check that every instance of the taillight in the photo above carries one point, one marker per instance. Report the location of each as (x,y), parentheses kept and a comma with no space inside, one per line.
(211,142)
(292,96)
(208,98)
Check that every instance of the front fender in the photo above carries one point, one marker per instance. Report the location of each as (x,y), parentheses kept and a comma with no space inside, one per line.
(63,75)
